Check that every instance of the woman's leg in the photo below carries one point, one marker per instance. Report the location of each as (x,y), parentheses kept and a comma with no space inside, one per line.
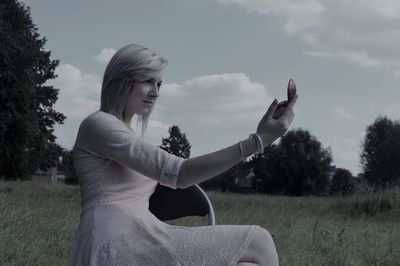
(261,250)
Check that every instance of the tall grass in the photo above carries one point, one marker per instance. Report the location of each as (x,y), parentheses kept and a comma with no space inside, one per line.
(38,221)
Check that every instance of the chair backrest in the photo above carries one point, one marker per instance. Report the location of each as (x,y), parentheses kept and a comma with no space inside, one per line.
(169,204)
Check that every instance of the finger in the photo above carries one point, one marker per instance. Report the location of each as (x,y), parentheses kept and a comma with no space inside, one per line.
(278,111)
(287,114)
(272,108)
(287,120)
(291,117)
(293,101)
(289,108)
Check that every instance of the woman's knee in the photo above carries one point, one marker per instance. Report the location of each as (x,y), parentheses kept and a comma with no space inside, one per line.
(265,235)
(263,247)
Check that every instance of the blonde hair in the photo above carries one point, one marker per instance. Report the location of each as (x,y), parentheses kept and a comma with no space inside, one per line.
(130,63)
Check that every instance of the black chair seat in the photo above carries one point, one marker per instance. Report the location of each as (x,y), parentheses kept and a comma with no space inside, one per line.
(169,204)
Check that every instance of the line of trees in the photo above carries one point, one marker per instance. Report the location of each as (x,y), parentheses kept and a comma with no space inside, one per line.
(299,165)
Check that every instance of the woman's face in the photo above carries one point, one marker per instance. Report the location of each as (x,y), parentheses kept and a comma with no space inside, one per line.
(147,90)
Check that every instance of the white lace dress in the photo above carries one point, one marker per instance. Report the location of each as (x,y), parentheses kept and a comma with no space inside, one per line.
(118,172)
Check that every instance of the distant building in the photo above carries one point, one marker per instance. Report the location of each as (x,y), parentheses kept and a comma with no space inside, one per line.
(51,176)
(246,181)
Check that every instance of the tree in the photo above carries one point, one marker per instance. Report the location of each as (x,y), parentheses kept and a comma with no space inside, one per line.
(267,167)
(342,183)
(380,156)
(26,114)
(176,143)
(298,165)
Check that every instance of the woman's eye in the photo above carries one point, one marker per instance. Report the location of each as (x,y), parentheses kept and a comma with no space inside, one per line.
(152,82)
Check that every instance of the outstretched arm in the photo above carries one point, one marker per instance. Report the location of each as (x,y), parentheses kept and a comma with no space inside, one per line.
(198,169)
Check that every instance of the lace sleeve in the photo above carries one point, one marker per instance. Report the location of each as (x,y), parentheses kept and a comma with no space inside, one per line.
(110,138)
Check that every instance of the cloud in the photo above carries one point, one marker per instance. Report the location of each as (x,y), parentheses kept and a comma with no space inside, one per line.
(214,97)
(104,56)
(358,57)
(341,113)
(346,153)
(79,95)
(362,32)
(214,110)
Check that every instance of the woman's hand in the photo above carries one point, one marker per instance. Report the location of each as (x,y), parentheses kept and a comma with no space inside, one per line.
(271,129)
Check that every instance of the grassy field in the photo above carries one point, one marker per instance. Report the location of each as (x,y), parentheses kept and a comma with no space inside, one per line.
(37,224)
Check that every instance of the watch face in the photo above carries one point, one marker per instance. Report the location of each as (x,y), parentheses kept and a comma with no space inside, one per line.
(291,90)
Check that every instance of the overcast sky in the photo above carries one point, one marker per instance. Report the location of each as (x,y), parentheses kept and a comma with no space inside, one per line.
(228,60)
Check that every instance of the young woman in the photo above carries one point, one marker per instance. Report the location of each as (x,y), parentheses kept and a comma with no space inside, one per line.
(118,172)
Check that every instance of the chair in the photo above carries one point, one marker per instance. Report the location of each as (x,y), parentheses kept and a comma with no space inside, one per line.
(169,204)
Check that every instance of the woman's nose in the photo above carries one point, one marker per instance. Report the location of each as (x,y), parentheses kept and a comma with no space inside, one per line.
(155,90)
